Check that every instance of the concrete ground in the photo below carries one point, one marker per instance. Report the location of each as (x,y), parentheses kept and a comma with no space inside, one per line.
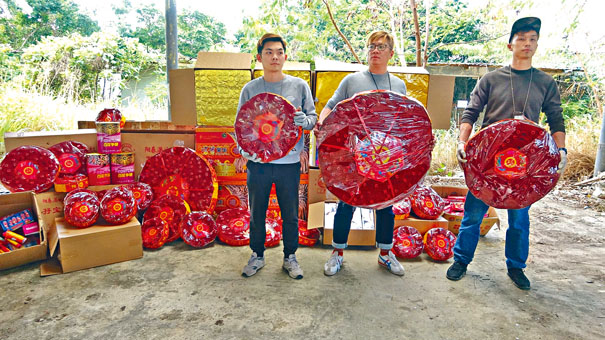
(179,292)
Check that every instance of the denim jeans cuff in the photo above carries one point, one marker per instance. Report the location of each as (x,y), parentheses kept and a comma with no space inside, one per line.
(384,246)
(339,245)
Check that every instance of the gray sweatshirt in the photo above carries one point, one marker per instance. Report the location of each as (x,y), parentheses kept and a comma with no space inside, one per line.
(296,91)
(362,81)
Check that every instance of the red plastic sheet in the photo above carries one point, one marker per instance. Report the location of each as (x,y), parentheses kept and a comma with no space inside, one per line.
(403,208)
(179,171)
(111,115)
(374,148)
(198,229)
(29,168)
(142,193)
(171,209)
(154,232)
(81,209)
(511,164)
(71,156)
(265,126)
(273,233)
(407,242)
(307,237)
(427,204)
(234,227)
(118,205)
(439,243)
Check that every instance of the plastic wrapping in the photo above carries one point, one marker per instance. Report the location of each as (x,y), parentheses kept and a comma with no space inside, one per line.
(81,209)
(142,193)
(439,243)
(273,233)
(427,204)
(122,168)
(118,205)
(217,95)
(265,126)
(171,209)
(198,229)
(181,172)
(307,237)
(407,242)
(403,208)
(29,168)
(111,115)
(374,148)
(71,156)
(234,227)
(99,171)
(154,232)
(511,164)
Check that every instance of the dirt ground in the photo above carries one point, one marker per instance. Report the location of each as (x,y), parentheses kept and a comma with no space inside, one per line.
(179,292)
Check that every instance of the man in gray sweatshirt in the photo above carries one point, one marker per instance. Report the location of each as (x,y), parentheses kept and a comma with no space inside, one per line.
(515,91)
(283,172)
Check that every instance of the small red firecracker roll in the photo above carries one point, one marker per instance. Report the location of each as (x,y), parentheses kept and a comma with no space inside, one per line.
(71,156)
(118,205)
(427,204)
(198,229)
(171,209)
(179,171)
(265,126)
(234,227)
(374,148)
(111,115)
(154,232)
(439,243)
(273,233)
(81,209)
(407,242)
(307,237)
(29,168)
(511,164)
(142,193)
(403,208)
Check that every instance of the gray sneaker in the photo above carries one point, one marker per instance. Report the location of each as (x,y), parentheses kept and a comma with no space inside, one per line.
(254,265)
(291,266)
(391,264)
(333,265)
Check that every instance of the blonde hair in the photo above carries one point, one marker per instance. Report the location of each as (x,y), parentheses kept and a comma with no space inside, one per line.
(382,34)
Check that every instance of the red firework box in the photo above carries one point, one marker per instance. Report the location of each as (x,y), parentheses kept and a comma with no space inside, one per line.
(17,220)
(108,137)
(122,168)
(99,171)
(69,183)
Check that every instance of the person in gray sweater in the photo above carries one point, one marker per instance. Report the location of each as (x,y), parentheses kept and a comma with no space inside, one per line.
(283,172)
(516,91)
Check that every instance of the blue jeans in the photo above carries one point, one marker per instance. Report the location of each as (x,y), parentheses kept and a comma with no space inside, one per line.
(385,222)
(517,235)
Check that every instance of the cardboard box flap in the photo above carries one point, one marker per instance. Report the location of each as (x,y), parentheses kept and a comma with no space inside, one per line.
(224,61)
(51,266)
(16,202)
(45,139)
(407,69)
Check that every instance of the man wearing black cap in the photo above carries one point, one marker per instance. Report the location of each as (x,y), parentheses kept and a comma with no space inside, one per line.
(516,91)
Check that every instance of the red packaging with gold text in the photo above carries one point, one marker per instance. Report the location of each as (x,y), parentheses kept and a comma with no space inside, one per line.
(122,168)
(99,171)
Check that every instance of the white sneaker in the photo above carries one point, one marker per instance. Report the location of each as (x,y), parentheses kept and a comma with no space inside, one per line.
(391,264)
(292,267)
(254,265)
(333,265)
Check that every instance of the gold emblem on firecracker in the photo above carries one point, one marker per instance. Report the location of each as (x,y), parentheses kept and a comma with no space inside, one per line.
(124,158)
(108,128)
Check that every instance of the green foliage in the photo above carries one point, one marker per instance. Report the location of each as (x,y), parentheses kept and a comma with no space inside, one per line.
(198,32)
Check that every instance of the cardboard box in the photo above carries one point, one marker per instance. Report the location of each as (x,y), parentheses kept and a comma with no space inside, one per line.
(454,221)
(75,249)
(182,97)
(363,226)
(46,139)
(441,100)
(317,188)
(422,225)
(10,204)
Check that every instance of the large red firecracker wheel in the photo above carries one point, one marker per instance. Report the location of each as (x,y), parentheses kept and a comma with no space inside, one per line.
(142,193)
(118,205)
(439,243)
(198,229)
(407,242)
(179,171)
(171,209)
(273,233)
(265,126)
(81,209)
(403,208)
(111,115)
(71,156)
(29,168)
(154,232)
(73,192)
(427,204)
(374,148)
(307,237)
(234,227)
(511,164)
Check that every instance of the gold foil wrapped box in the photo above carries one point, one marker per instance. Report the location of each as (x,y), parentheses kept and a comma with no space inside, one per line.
(217,95)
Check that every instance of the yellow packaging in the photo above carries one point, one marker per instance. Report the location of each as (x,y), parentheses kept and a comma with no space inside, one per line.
(217,95)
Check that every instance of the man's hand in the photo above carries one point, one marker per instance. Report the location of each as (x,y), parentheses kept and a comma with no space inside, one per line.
(460,154)
(251,157)
(316,131)
(301,119)
(563,162)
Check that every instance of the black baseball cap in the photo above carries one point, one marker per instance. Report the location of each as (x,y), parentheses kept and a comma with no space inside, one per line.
(525,25)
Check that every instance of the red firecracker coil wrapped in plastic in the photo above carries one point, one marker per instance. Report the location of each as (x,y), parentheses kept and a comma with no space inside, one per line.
(307,237)
(171,209)
(71,156)
(403,208)
(179,171)
(407,242)
(265,126)
(198,229)
(439,243)
(511,164)
(273,233)
(234,227)
(81,209)
(154,232)
(427,204)
(374,148)
(82,190)
(118,205)
(111,115)
(29,168)
(142,193)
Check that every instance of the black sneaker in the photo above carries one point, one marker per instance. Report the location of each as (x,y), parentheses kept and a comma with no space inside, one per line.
(456,271)
(519,278)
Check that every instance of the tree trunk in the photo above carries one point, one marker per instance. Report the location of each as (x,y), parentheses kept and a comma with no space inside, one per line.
(427,29)
(417,29)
